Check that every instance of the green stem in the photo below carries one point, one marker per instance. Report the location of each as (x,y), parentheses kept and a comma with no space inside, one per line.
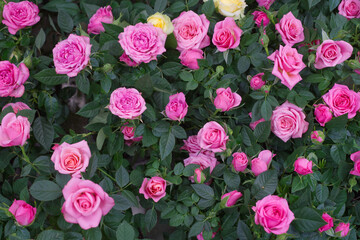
(113,179)
(27,159)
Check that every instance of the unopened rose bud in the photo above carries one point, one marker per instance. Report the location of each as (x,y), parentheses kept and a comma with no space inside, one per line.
(317,137)
(199,176)
(229,199)
(266,88)
(107,67)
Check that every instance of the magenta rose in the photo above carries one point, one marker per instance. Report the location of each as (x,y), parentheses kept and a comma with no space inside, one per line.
(287,65)
(212,137)
(153,188)
(288,121)
(127,103)
(14,130)
(190,31)
(71,158)
(230,199)
(253,125)
(262,162)
(129,135)
(273,213)
(177,107)
(102,15)
(85,203)
(303,166)
(330,222)
(355,157)
(24,213)
(72,55)
(189,57)
(192,146)
(265,3)
(350,8)
(18,15)
(16,107)
(261,18)
(226,99)
(240,161)
(226,34)
(143,42)
(12,79)
(343,229)
(290,29)
(322,114)
(256,81)
(125,58)
(331,53)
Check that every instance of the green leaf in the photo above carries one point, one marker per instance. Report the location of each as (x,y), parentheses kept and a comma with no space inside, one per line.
(186,76)
(203,191)
(112,29)
(196,229)
(148,138)
(178,169)
(160,5)
(105,83)
(312,3)
(43,132)
(297,184)
(125,231)
(40,39)
(90,9)
(50,234)
(266,110)
(122,177)
(178,132)
(333,4)
(167,143)
(50,77)
(90,110)
(177,7)
(243,231)
(243,64)
(145,85)
(28,113)
(192,85)
(262,131)
(307,220)
(150,219)
(171,68)
(208,8)
(65,21)
(131,197)
(82,83)
(100,139)
(337,154)
(231,179)
(45,190)
(322,193)
(265,184)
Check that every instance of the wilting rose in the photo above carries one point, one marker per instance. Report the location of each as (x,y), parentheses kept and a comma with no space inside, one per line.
(161,21)
(212,137)
(261,18)
(12,79)
(14,130)
(322,114)
(226,34)
(240,161)
(331,53)
(102,15)
(303,166)
(290,29)
(177,107)
(265,3)
(226,99)
(192,146)
(230,199)
(257,82)
(349,8)
(18,106)
(330,222)
(24,213)
(189,57)
(343,228)
(355,157)
(153,188)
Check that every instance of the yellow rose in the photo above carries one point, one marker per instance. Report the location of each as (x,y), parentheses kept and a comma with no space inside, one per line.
(231,8)
(161,21)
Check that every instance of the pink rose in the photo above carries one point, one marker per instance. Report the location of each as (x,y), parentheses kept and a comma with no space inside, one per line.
(143,42)
(226,99)
(262,162)
(125,58)
(72,55)
(212,137)
(322,114)
(288,121)
(265,3)
(127,103)
(12,79)
(18,15)
(226,34)
(177,107)
(317,137)
(290,29)
(153,188)
(202,160)
(240,161)
(327,218)
(102,15)
(189,57)
(71,158)
(273,213)
(230,199)
(331,53)
(256,81)
(24,213)
(342,100)
(18,106)
(350,9)
(199,176)
(303,166)
(200,236)
(85,203)
(129,135)
(14,130)
(287,65)
(358,58)
(355,157)
(254,124)
(343,228)
(190,31)
(261,18)
(191,145)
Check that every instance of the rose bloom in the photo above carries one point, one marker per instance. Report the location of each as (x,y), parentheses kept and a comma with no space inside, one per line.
(350,9)
(265,3)
(127,103)
(343,228)
(14,130)
(290,29)
(261,18)
(231,8)
(262,162)
(330,222)
(358,58)
(18,15)
(303,166)
(85,203)
(355,157)
(212,137)
(240,161)
(226,34)
(342,100)
(24,213)
(230,199)
(253,125)
(129,135)
(16,107)
(125,58)
(161,21)
(72,55)
(204,161)
(191,145)
(288,121)
(190,31)
(273,213)
(287,65)
(189,57)
(226,99)
(143,42)
(71,158)
(322,114)
(256,81)
(153,188)
(331,53)
(177,107)
(12,79)
(317,137)
(102,15)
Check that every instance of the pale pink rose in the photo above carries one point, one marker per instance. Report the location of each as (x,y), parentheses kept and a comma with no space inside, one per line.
(143,42)
(71,158)
(317,137)
(24,213)
(261,18)
(129,135)
(72,55)
(322,114)
(189,57)
(153,188)
(199,176)
(18,106)
(177,107)
(330,222)
(265,3)
(14,130)
(226,34)
(355,157)
(190,31)
(127,103)
(290,29)
(342,100)
(230,199)
(288,121)
(240,161)
(226,99)
(212,137)
(350,9)
(331,53)
(273,213)
(303,166)
(254,124)
(85,203)
(18,15)
(125,58)
(191,145)
(102,15)
(287,65)
(262,162)
(343,228)
(12,79)
(256,81)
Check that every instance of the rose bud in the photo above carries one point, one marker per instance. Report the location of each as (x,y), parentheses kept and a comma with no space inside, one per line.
(189,57)
(343,229)
(303,166)
(330,222)
(261,18)
(226,99)
(317,137)
(23,212)
(256,81)
(199,176)
(240,161)
(229,199)
(322,114)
